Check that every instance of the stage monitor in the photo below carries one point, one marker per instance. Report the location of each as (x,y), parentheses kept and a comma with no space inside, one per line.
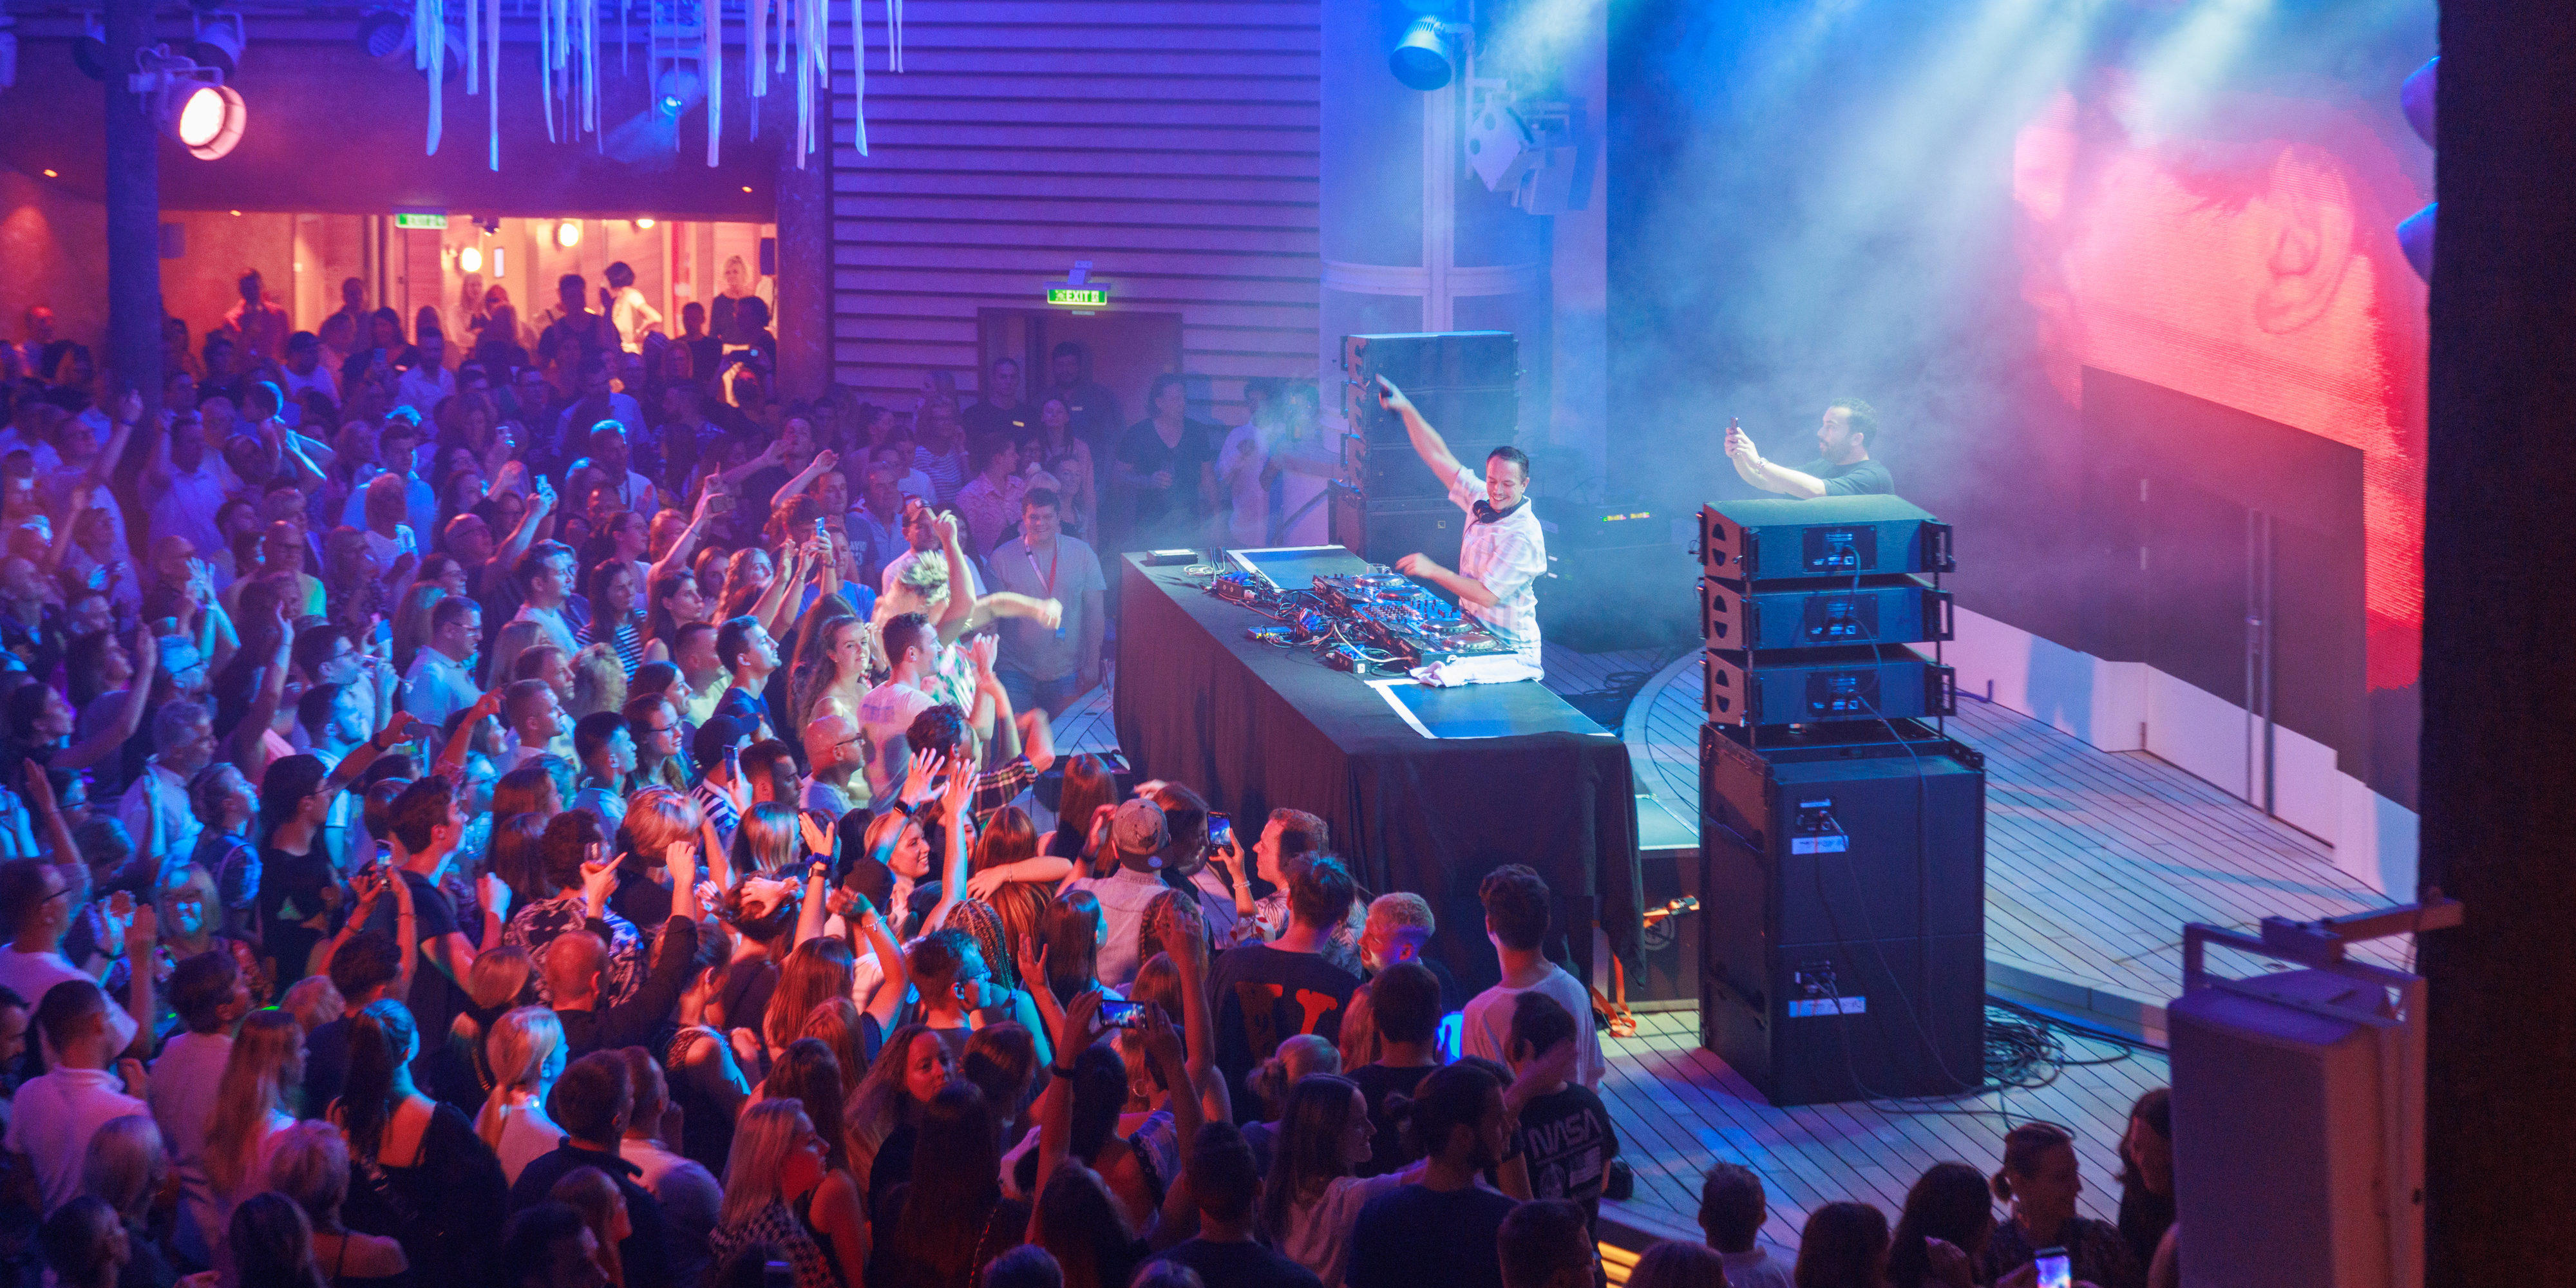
(1297,567)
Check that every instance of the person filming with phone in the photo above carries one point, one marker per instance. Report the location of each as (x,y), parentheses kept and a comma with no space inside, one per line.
(1501,555)
(1843,464)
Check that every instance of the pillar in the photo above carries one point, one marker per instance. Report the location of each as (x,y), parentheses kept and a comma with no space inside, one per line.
(133,229)
(2499,643)
(804,321)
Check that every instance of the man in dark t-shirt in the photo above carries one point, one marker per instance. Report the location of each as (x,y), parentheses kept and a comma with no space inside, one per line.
(1843,464)
(1225,1254)
(1441,1231)
(1000,413)
(1265,993)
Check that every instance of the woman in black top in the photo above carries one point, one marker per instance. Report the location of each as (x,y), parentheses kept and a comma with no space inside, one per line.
(942,1227)
(1948,1217)
(417,1171)
(1167,464)
(2146,1175)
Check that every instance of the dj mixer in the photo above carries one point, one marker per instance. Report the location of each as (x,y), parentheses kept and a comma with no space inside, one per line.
(1378,621)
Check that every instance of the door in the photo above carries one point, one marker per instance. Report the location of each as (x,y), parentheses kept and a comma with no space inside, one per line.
(1121,352)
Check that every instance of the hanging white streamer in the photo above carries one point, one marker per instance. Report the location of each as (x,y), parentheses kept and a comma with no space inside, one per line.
(894,35)
(711,65)
(429,54)
(546,61)
(590,69)
(473,47)
(755,45)
(859,76)
(492,85)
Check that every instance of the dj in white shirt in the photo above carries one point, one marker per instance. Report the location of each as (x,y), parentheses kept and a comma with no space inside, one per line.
(1502,553)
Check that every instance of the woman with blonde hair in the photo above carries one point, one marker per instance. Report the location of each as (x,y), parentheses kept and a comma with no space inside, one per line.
(774,840)
(501,980)
(598,682)
(411,621)
(513,639)
(526,1052)
(250,1106)
(588,1190)
(312,1168)
(777,1160)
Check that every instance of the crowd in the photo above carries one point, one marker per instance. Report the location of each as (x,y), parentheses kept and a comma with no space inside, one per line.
(554,820)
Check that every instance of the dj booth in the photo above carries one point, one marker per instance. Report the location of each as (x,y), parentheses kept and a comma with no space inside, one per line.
(1425,789)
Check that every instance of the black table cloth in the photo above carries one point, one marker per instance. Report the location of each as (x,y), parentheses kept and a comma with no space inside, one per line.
(1255,727)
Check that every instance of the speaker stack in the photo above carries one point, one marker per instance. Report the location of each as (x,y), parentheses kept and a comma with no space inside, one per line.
(1842,832)
(1467,385)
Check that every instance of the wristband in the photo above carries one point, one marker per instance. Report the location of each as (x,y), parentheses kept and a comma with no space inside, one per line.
(1060,1071)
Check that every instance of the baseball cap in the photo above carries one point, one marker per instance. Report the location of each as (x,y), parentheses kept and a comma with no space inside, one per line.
(1137,828)
(718,733)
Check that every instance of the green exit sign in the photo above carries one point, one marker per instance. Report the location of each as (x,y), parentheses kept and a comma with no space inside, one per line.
(419,219)
(1081,297)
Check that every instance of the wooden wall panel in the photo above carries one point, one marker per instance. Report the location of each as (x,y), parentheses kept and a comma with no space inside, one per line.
(1172,144)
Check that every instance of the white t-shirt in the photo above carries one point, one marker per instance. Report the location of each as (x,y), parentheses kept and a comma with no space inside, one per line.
(29,974)
(1756,1269)
(1487,1027)
(1240,463)
(1318,1236)
(184,1081)
(53,1120)
(389,551)
(885,713)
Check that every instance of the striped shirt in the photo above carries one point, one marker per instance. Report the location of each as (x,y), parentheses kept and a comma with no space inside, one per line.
(1507,557)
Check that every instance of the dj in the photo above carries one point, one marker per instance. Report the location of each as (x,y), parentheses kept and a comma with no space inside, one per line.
(1842,467)
(1501,554)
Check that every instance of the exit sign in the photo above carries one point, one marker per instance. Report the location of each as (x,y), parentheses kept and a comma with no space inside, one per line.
(1081,297)
(419,219)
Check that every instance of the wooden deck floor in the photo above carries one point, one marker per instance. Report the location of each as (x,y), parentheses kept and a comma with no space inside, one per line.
(1679,1108)
(2094,859)
(2094,862)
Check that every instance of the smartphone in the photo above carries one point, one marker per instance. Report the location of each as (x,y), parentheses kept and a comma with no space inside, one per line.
(2055,1271)
(384,637)
(821,533)
(1220,830)
(721,503)
(1121,1015)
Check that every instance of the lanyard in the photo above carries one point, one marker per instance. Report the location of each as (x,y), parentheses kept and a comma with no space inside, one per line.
(1052,566)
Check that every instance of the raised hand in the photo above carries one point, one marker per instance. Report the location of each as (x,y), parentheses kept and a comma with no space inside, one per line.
(985,884)
(1031,958)
(923,782)
(961,789)
(598,881)
(1392,398)
(496,895)
(984,651)
(820,840)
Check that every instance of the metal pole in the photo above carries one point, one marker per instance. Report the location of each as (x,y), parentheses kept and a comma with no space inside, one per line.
(133,234)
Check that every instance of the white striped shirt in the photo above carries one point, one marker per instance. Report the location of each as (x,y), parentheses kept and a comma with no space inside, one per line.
(1507,557)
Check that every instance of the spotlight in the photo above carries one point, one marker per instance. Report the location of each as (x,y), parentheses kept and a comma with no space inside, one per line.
(385,33)
(1421,59)
(469,260)
(219,42)
(89,52)
(568,234)
(644,225)
(678,90)
(189,103)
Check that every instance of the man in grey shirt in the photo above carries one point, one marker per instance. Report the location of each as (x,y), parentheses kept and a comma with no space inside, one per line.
(1040,665)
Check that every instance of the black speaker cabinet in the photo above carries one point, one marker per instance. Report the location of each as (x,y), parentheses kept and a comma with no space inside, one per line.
(1466,384)
(1385,531)
(1843,936)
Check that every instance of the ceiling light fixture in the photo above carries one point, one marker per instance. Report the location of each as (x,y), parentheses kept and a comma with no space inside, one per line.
(567,234)
(189,103)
